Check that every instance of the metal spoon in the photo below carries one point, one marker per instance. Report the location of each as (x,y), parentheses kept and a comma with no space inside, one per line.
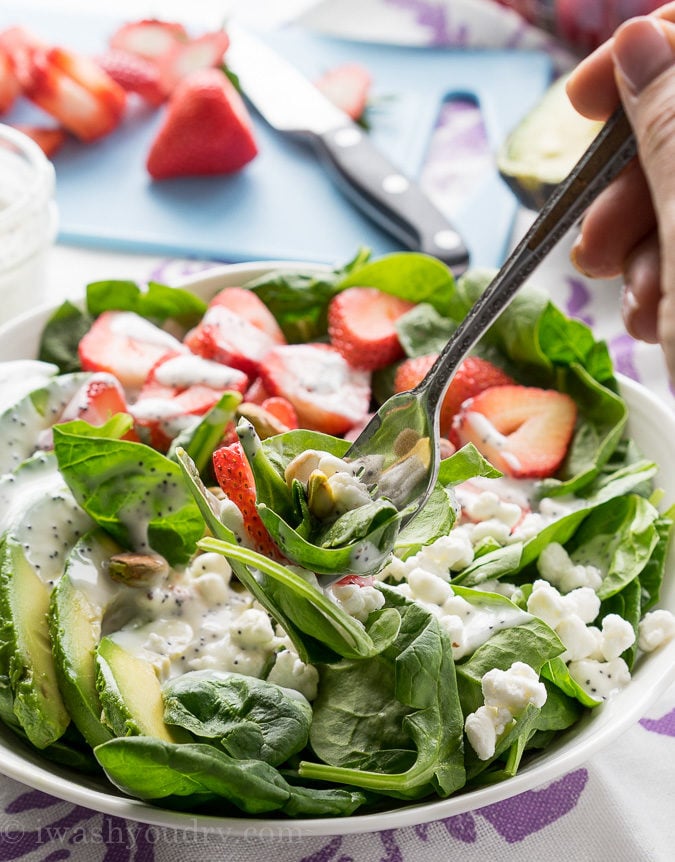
(398,449)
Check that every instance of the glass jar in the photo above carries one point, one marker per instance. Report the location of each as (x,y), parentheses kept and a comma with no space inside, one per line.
(28,221)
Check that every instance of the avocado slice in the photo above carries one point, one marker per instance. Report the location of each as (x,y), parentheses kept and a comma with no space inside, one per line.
(39,523)
(544,147)
(23,422)
(131,695)
(79,603)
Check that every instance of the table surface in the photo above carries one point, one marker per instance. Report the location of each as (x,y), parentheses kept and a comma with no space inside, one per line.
(619,804)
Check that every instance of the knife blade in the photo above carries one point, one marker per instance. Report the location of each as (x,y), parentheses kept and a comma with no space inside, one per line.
(291,104)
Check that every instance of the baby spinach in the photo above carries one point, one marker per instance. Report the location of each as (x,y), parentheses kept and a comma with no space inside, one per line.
(157,302)
(153,769)
(426,700)
(130,490)
(248,717)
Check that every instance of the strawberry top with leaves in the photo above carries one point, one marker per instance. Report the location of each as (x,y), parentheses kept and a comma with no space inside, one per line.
(347,86)
(473,375)
(362,326)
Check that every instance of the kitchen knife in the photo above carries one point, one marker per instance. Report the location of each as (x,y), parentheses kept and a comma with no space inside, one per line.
(293,105)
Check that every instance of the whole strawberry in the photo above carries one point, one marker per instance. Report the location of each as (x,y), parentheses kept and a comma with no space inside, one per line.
(207,129)
(473,376)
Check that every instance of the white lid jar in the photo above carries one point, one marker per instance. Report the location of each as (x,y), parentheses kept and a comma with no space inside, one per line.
(28,221)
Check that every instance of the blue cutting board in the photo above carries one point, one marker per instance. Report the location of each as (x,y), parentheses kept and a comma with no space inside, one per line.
(283,205)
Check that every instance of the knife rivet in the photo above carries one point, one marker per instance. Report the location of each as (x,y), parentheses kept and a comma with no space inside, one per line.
(447,239)
(347,137)
(395,184)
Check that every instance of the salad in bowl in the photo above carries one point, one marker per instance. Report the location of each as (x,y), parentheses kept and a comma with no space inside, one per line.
(206,608)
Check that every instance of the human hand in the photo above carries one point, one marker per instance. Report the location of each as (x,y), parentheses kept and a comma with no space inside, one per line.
(630,229)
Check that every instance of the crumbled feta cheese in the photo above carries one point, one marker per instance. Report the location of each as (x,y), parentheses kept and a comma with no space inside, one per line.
(656,629)
(446,554)
(428,587)
(348,492)
(488,505)
(289,671)
(552,607)
(210,563)
(506,694)
(556,566)
(357,600)
(493,528)
(252,629)
(617,636)
(581,641)
(600,679)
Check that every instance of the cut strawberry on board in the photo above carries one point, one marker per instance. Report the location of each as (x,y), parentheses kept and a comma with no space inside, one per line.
(126,345)
(524,431)
(72,88)
(183,58)
(472,376)
(225,336)
(135,74)
(207,129)
(50,140)
(348,88)
(362,326)
(328,394)
(150,37)
(248,305)
(235,478)
(9,83)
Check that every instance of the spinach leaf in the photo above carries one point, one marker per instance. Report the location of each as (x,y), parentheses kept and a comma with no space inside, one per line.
(200,440)
(557,672)
(129,489)
(651,577)
(250,718)
(152,769)
(61,336)
(424,683)
(423,330)
(157,302)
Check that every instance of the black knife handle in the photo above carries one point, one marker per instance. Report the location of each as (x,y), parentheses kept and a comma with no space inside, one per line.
(389,198)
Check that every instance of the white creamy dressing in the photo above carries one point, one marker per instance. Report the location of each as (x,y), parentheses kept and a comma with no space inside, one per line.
(18,377)
(189,369)
(128,324)
(238,332)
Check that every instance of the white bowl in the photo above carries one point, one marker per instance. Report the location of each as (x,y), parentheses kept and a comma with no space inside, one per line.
(651,425)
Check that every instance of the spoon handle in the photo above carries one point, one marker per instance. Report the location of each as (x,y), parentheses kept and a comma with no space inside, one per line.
(610,151)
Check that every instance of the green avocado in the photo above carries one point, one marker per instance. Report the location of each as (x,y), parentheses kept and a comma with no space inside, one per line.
(39,523)
(131,695)
(79,603)
(544,147)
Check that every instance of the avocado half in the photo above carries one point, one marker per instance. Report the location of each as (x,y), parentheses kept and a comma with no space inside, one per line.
(544,147)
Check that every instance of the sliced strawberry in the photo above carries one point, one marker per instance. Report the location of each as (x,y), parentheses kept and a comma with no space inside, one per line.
(473,376)
(328,394)
(9,83)
(135,74)
(179,387)
(126,345)
(235,478)
(184,57)
(229,338)
(356,580)
(150,37)
(361,326)
(73,89)
(248,305)
(281,409)
(348,88)
(49,139)
(524,431)
(207,129)
(256,393)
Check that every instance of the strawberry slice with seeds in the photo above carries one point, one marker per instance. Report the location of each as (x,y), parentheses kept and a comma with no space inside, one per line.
(347,86)
(135,74)
(180,387)
(248,305)
(126,345)
(473,375)
(281,409)
(328,394)
(235,478)
(184,57)
(524,431)
(227,337)
(149,37)
(72,88)
(362,326)
(207,129)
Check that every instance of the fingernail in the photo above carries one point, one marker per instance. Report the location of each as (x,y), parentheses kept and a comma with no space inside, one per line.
(636,322)
(575,252)
(641,52)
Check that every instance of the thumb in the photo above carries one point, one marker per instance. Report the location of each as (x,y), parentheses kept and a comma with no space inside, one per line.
(644,59)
